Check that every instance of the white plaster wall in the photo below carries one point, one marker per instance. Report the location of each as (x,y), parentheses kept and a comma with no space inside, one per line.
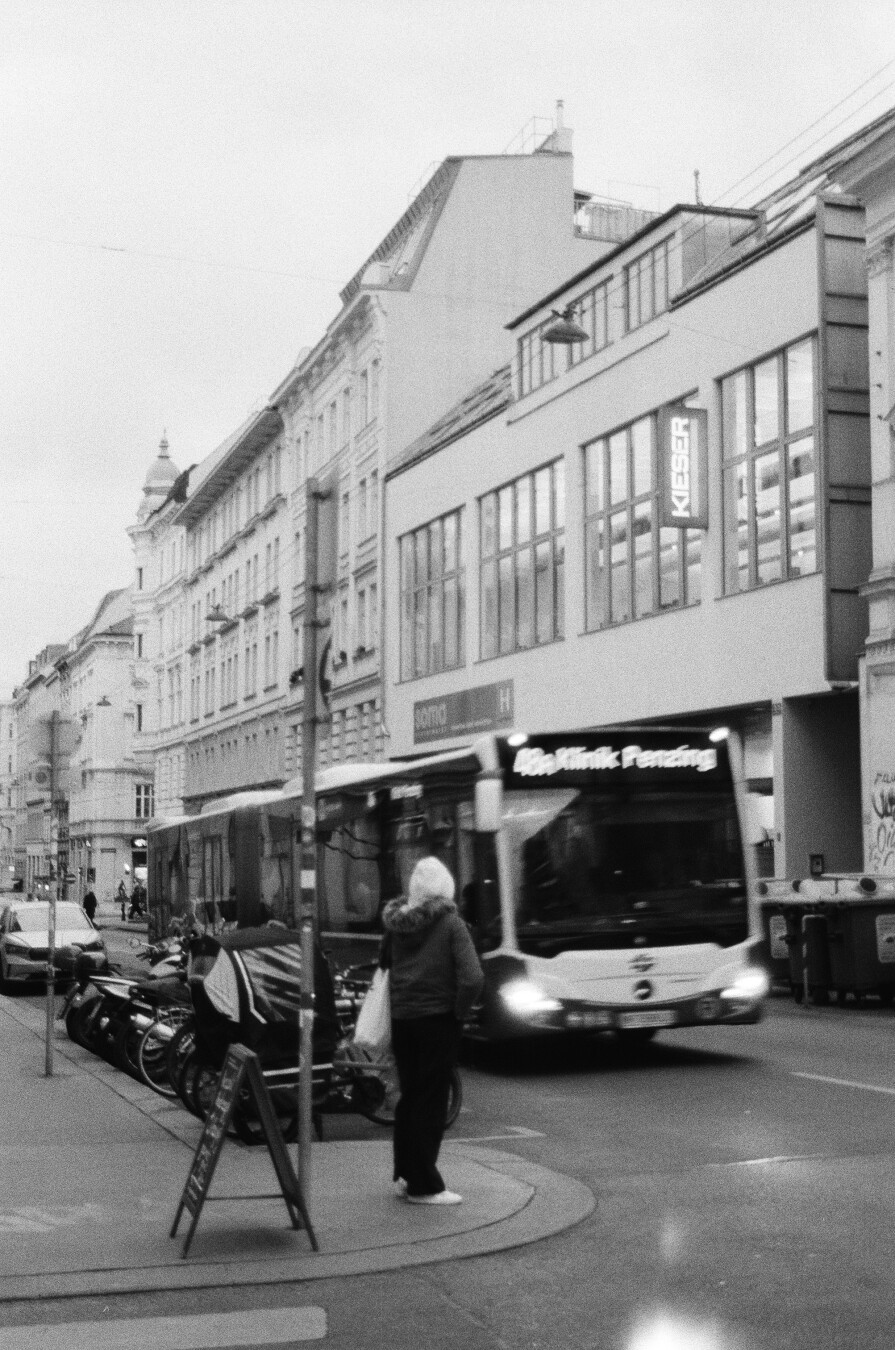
(727,651)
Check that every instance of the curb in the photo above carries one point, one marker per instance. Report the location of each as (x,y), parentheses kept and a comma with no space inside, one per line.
(538,1203)
(556,1203)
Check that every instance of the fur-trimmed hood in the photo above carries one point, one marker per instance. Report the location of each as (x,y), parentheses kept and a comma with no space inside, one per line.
(400,916)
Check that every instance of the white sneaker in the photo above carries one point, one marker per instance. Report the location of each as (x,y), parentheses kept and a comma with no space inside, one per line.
(440,1198)
(400,1187)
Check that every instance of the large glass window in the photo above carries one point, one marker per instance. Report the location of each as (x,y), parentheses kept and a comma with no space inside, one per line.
(433,600)
(646,286)
(632,567)
(770,482)
(522,562)
(540,361)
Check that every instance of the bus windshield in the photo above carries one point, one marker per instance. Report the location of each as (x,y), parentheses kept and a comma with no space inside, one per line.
(593,867)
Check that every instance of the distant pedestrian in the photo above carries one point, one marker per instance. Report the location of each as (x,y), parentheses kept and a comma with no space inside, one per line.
(122,898)
(435,978)
(89,904)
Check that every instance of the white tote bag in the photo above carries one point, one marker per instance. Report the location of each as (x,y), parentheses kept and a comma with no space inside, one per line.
(373,1030)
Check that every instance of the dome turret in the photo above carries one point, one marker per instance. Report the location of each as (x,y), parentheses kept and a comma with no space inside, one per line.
(162,476)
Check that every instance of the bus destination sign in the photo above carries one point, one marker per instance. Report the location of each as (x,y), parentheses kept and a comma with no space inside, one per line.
(642,753)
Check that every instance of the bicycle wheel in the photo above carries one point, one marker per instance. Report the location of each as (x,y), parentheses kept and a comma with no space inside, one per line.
(248,1126)
(182,1043)
(152,1052)
(125,1047)
(77,1021)
(376,1097)
(198,1081)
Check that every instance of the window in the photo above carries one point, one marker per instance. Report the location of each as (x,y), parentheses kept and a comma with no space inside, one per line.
(144,795)
(632,567)
(770,485)
(362,530)
(433,600)
(540,361)
(346,416)
(344,521)
(373,504)
(522,572)
(138,643)
(139,578)
(646,286)
(374,390)
(364,398)
(139,710)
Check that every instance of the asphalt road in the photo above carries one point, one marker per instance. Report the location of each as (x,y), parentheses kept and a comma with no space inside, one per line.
(745,1181)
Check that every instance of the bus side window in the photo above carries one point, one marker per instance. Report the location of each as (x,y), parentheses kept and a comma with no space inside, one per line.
(349,876)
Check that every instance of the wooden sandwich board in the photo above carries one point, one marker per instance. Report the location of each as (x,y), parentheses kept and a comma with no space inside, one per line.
(241,1069)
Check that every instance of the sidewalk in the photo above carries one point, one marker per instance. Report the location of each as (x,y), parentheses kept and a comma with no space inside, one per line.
(93,1164)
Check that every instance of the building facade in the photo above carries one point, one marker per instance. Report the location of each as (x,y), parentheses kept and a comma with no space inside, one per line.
(42,747)
(869,171)
(667,519)
(220,549)
(109,791)
(7,794)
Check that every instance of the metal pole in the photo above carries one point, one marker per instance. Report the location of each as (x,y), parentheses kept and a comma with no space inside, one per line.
(51,913)
(308,891)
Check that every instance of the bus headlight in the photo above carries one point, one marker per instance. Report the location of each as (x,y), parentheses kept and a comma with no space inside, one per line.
(524,998)
(750,984)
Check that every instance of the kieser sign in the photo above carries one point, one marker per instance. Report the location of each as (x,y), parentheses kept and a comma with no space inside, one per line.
(683,467)
(532,762)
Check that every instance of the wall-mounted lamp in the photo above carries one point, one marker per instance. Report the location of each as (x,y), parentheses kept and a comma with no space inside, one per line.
(216,615)
(103,702)
(297,677)
(564,331)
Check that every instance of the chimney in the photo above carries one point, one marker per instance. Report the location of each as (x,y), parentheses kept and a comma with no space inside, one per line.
(559,142)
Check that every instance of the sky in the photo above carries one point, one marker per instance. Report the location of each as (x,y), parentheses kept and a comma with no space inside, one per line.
(188,185)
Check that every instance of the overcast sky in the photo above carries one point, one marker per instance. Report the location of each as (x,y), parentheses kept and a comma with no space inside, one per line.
(187,185)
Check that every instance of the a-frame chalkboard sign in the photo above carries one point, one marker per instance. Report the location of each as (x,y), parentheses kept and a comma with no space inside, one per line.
(241,1069)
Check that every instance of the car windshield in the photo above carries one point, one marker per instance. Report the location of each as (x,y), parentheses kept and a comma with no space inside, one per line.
(630,863)
(33,918)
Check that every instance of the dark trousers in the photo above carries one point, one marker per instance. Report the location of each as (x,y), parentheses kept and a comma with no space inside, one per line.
(425,1050)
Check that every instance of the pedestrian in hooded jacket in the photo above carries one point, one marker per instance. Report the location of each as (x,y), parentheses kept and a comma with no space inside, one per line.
(434,981)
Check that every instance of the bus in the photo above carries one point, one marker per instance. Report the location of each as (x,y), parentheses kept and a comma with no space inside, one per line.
(601,874)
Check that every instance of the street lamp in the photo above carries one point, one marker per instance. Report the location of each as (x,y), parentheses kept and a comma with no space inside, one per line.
(564,331)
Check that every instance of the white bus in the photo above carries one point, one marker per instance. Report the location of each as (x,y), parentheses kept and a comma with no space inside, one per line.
(601,873)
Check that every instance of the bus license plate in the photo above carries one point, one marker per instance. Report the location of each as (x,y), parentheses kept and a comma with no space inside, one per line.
(653,1017)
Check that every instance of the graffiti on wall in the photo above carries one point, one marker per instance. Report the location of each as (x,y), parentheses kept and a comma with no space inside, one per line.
(882,833)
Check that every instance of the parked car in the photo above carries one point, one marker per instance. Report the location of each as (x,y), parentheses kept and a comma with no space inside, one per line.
(23,939)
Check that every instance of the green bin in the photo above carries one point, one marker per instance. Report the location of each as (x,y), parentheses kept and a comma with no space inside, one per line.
(861,942)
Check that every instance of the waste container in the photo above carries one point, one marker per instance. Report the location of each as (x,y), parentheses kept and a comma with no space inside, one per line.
(775,948)
(861,945)
(806,941)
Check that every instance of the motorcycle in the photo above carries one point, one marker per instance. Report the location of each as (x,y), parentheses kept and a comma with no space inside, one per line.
(110,1014)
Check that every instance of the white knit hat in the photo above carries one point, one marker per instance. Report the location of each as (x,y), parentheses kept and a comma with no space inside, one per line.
(430,880)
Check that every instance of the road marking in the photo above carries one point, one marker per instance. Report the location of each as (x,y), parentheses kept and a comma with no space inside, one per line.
(846,1082)
(515,1132)
(202,1331)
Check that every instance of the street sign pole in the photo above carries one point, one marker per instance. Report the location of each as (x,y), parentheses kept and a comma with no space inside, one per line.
(51,977)
(52,886)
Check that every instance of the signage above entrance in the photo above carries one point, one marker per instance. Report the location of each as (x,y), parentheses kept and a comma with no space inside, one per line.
(466,713)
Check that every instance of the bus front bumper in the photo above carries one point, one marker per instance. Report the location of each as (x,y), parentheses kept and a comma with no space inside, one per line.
(521,1008)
